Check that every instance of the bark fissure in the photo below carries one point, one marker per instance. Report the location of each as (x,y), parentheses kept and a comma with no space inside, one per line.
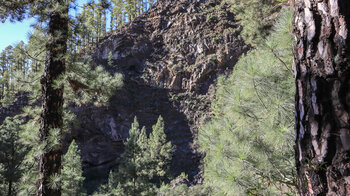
(321,110)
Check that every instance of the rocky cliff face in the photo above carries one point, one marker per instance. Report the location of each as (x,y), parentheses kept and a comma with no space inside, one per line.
(176,45)
(170,57)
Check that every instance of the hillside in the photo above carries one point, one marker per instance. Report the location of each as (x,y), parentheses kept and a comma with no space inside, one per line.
(170,58)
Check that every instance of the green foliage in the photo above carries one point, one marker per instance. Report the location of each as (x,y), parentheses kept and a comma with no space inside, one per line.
(160,150)
(21,68)
(90,25)
(12,61)
(118,14)
(3,184)
(255,16)
(248,142)
(144,160)
(88,85)
(134,164)
(110,59)
(92,22)
(30,137)
(55,181)
(72,172)
(184,190)
(180,186)
(13,151)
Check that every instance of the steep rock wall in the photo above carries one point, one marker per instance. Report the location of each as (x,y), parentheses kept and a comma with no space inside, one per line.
(170,58)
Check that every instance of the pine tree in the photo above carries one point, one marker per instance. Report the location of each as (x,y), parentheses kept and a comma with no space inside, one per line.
(118,11)
(161,150)
(99,21)
(7,62)
(52,96)
(81,29)
(13,62)
(3,185)
(72,172)
(104,6)
(35,49)
(131,9)
(54,116)
(83,20)
(144,160)
(56,13)
(133,169)
(113,188)
(4,82)
(20,58)
(12,154)
(83,85)
(91,23)
(110,59)
(248,141)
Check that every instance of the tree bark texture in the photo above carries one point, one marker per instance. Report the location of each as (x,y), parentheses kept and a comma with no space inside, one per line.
(52,98)
(322,100)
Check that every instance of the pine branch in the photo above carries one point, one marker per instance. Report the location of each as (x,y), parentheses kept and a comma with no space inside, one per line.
(256,91)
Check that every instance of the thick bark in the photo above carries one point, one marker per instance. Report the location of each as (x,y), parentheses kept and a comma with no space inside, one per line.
(322,80)
(52,109)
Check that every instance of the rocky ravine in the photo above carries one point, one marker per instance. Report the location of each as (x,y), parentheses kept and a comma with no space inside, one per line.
(170,58)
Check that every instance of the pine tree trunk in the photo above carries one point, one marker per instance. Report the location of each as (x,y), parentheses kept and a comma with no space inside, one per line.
(322,104)
(9,188)
(52,117)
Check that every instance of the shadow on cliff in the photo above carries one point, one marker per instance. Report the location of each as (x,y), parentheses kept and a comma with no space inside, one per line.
(102,130)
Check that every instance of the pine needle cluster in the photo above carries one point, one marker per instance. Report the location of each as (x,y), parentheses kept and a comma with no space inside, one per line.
(256,17)
(249,141)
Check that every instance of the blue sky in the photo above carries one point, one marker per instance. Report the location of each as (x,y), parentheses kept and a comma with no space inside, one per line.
(12,33)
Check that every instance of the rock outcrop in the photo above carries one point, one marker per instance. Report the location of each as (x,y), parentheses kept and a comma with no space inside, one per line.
(170,58)
(177,44)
